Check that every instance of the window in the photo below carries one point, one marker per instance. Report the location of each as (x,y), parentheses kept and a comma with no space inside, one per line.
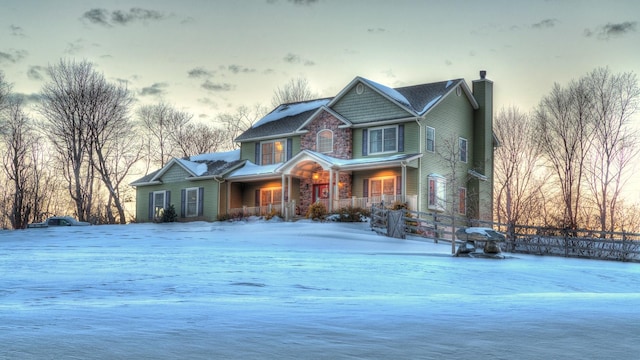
(324,141)
(462,201)
(272,152)
(462,143)
(431,139)
(382,140)
(437,192)
(191,201)
(382,186)
(159,203)
(270,196)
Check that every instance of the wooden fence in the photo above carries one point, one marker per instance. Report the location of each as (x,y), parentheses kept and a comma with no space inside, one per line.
(620,246)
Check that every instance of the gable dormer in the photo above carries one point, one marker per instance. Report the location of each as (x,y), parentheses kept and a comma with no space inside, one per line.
(364,101)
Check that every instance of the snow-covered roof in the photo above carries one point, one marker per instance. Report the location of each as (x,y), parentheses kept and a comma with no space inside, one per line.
(251,169)
(291,109)
(392,93)
(196,168)
(227,156)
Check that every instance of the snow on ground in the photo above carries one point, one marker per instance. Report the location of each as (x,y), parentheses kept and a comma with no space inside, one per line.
(302,290)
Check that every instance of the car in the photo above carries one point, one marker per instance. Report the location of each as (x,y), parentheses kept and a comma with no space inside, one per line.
(58,221)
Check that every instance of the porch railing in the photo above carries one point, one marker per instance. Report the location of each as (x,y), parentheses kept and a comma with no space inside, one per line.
(288,209)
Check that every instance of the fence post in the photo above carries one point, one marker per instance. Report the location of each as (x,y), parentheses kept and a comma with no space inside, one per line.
(566,241)
(624,247)
(435,228)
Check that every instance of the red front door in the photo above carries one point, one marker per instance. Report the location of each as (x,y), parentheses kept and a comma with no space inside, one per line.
(320,192)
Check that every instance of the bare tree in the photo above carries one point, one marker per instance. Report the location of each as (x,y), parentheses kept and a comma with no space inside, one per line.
(448,152)
(234,124)
(18,135)
(615,99)
(83,113)
(114,143)
(293,91)
(518,189)
(564,126)
(198,138)
(160,122)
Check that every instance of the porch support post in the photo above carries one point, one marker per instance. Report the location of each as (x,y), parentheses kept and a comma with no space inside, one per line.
(228,202)
(330,190)
(403,191)
(283,177)
(337,187)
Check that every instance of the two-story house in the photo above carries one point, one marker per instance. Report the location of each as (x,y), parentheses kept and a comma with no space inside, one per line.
(368,144)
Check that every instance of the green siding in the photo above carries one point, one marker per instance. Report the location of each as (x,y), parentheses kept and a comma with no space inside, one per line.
(210,205)
(368,107)
(451,119)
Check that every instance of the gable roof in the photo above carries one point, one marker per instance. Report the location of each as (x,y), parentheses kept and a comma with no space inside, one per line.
(415,99)
(198,167)
(291,118)
(283,120)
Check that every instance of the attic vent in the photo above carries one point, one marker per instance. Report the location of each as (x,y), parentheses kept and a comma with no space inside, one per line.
(359,89)
(458,91)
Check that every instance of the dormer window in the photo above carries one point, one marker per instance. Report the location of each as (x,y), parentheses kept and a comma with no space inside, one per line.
(324,141)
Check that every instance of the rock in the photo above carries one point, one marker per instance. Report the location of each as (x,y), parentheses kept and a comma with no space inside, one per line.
(492,247)
(465,248)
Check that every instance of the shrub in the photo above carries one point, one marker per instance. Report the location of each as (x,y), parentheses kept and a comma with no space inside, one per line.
(317,211)
(351,214)
(272,214)
(169,214)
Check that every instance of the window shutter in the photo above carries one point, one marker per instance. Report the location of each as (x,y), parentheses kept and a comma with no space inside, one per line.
(151,205)
(289,148)
(183,202)
(200,201)
(365,142)
(398,185)
(401,138)
(365,188)
(258,197)
(167,199)
(257,154)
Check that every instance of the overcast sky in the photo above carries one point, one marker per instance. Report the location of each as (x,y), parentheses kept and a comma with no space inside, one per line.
(209,57)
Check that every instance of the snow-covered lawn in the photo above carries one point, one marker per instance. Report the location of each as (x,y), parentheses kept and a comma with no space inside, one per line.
(300,290)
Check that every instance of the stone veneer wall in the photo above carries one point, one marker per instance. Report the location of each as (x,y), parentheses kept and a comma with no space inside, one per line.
(342,149)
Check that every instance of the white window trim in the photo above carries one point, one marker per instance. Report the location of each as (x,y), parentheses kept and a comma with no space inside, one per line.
(186,201)
(382,179)
(466,149)
(426,145)
(164,202)
(318,141)
(369,152)
(284,150)
(274,201)
(439,202)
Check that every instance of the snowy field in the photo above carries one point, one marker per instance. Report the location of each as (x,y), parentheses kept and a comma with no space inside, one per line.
(300,290)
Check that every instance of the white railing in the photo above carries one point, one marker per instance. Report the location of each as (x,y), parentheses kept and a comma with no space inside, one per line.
(288,210)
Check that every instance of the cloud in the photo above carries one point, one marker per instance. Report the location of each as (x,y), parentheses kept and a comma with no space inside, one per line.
(544,24)
(199,72)
(448,62)
(121,17)
(16,30)
(296,59)
(12,56)
(28,99)
(217,87)
(609,30)
(239,69)
(35,72)
(376,30)
(154,89)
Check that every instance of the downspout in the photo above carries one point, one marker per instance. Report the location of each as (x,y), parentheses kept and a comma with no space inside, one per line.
(419,202)
(227,202)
